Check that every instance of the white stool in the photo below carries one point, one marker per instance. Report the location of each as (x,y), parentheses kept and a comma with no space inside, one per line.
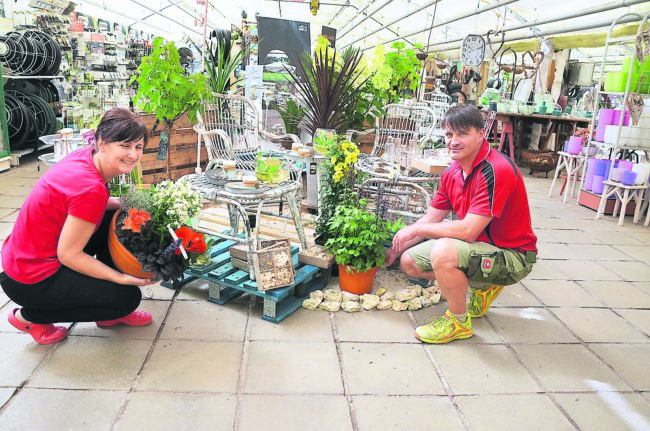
(572,164)
(623,194)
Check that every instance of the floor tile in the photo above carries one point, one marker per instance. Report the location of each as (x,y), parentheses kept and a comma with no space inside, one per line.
(617,238)
(14,202)
(389,369)
(5,394)
(195,290)
(425,413)
(630,271)
(546,270)
(158,310)
(6,212)
(192,366)
(552,251)
(482,369)
(92,363)
(588,270)
(577,237)
(561,293)
(599,252)
(203,320)
(277,367)
(515,295)
(20,357)
(637,318)
(302,326)
(512,412)
(607,411)
(52,409)
(618,294)
(162,411)
(530,325)
(638,252)
(294,412)
(374,326)
(566,367)
(599,325)
(625,360)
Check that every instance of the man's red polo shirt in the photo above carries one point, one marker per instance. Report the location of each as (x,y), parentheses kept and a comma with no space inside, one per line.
(494,188)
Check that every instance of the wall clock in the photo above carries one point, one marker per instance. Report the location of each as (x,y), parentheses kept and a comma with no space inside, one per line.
(472,51)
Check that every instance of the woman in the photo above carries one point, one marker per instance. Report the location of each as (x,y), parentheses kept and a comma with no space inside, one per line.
(47,259)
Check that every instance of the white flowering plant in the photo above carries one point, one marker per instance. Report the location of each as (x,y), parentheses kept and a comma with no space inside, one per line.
(152,226)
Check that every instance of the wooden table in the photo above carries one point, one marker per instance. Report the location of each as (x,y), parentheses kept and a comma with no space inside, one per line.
(552,123)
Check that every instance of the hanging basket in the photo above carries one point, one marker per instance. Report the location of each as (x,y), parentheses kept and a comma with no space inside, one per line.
(356,282)
(122,258)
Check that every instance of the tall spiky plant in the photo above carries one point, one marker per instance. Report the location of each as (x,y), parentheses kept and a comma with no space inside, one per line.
(328,90)
(220,63)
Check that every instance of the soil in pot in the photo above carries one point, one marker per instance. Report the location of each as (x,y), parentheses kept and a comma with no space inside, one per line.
(123,259)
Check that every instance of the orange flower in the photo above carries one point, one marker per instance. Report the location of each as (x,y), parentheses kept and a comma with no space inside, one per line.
(135,220)
(192,241)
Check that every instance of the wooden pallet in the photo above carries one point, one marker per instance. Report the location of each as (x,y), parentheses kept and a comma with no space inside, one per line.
(227,282)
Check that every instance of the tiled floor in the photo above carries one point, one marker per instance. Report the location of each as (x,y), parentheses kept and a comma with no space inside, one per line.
(568,348)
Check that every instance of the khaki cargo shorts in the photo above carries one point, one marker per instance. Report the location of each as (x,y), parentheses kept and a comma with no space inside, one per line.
(483,264)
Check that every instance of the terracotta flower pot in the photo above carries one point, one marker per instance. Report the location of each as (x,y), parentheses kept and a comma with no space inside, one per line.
(356,282)
(122,258)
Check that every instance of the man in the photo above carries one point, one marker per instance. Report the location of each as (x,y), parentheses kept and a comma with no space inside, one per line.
(492,243)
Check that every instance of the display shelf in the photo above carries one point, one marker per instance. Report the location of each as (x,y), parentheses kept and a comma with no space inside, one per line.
(615,146)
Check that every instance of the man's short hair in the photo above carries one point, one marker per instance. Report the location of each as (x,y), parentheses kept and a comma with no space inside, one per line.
(461,118)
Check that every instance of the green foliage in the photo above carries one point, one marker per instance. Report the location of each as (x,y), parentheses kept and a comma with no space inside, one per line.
(328,90)
(163,87)
(220,64)
(395,72)
(357,236)
(291,115)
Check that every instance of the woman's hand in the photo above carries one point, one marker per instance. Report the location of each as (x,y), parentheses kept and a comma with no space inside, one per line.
(135,281)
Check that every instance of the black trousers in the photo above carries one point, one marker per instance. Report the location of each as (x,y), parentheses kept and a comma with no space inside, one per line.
(68,296)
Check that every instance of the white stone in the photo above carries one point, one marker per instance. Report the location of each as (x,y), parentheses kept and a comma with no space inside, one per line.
(426,301)
(436,297)
(311,303)
(349,296)
(399,305)
(388,296)
(350,306)
(384,304)
(380,291)
(414,304)
(330,306)
(368,301)
(406,294)
(316,294)
(333,295)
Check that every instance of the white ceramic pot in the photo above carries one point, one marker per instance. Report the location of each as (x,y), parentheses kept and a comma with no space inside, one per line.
(642,173)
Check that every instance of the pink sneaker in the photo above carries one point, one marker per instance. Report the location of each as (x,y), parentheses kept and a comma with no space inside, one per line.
(42,334)
(137,318)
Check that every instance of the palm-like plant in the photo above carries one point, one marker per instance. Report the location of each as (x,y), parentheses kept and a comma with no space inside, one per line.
(220,63)
(327,90)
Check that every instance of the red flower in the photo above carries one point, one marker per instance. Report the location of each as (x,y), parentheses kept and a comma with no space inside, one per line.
(192,241)
(135,220)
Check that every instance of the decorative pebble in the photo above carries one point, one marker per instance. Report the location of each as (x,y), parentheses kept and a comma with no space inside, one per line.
(368,302)
(333,295)
(399,305)
(388,296)
(330,306)
(384,304)
(348,296)
(311,303)
(350,306)
(316,294)
(406,294)
(380,291)
(414,304)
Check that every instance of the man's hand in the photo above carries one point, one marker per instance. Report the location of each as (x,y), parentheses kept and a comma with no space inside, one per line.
(402,238)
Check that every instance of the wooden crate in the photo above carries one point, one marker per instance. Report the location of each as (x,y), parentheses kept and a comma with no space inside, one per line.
(181,155)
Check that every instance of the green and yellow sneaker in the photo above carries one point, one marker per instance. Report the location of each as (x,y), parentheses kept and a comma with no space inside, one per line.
(444,329)
(480,300)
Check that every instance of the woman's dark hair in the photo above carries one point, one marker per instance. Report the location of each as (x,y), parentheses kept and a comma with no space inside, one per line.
(461,118)
(120,125)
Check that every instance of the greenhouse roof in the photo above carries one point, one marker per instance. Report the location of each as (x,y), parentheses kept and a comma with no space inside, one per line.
(438,25)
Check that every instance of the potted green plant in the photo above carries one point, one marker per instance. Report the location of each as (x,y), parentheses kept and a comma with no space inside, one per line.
(329,86)
(291,115)
(147,231)
(164,88)
(221,63)
(357,240)
(396,73)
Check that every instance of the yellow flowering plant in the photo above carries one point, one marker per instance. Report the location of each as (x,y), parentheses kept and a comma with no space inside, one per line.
(338,182)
